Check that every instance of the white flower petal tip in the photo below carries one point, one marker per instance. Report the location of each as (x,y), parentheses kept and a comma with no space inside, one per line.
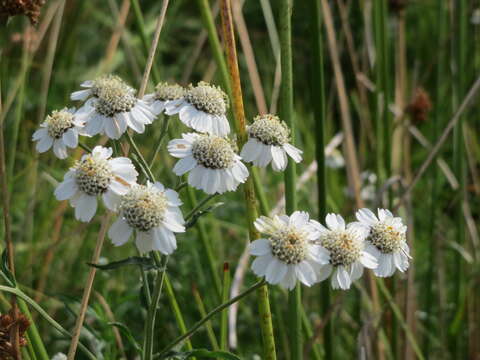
(61,130)
(387,241)
(202,108)
(166,96)
(112,107)
(288,253)
(96,174)
(210,161)
(152,213)
(268,142)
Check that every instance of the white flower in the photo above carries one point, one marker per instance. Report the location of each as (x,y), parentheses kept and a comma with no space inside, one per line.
(203,109)
(96,174)
(211,160)
(153,212)
(267,143)
(289,252)
(60,129)
(165,95)
(386,241)
(112,107)
(347,252)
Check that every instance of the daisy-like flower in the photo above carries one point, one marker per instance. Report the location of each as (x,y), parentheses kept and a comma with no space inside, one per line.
(387,241)
(211,160)
(288,252)
(348,254)
(165,94)
(268,142)
(203,109)
(60,130)
(112,107)
(96,174)
(153,213)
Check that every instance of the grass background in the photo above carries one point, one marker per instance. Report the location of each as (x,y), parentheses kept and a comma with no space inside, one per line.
(383,54)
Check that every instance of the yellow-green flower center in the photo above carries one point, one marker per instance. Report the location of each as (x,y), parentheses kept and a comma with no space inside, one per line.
(165,91)
(208,98)
(93,175)
(269,130)
(58,122)
(386,238)
(344,248)
(213,152)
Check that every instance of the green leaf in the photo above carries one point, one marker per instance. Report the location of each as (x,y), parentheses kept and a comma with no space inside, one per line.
(144,262)
(6,273)
(201,213)
(201,354)
(128,334)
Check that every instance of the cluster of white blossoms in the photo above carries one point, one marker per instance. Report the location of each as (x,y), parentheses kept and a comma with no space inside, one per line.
(294,247)
(297,248)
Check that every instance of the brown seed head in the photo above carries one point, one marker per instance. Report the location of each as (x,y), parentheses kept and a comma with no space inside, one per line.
(29,8)
(420,105)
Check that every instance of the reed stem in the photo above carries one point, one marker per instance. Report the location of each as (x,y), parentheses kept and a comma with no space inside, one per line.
(319,109)
(250,200)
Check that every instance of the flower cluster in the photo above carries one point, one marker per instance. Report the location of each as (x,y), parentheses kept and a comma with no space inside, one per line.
(294,247)
(298,248)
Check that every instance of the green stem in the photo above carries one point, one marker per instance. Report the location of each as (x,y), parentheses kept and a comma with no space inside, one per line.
(163,132)
(319,108)
(286,113)
(33,334)
(198,206)
(224,316)
(140,156)
(211,314)
(249,191)
(152,311)
(208,324)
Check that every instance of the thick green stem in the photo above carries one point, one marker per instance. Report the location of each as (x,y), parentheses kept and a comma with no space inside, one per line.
(224,316)
(250,200)
(319,108)
(286,114)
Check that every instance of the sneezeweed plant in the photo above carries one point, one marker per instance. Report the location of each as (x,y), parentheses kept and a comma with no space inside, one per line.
(153,213)
(96,174)
(294,248)
(112,107)
(211,161)
(387,241)
(204,108)
(269,142)
(289,252)
(60,130)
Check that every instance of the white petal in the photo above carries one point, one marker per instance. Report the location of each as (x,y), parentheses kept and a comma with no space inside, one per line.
(368,260)
(173,223)
(299,219)
(44,144)
(334,223)
(279,158)
(80,95)
(341,278)
(290,279)
(111,200)
(324,272)
(260,247)
(164,240)
(260,264)
(319,254)
(173,197)
(356,271)
(39,134)
(305,273)
(250,150)
(70,138)
(293,152)
(184,165)
(85,207)
(179,148)
(118,187)
(276,271)
(112,128)
(119,232)
(144,241)
(385,267)
(66,189)
(60,149)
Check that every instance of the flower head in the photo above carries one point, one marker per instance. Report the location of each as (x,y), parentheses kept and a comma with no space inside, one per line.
(268,142)
(60,130)
(288,252)
(165,95)
(29,8)
(7,323)
(153,213)
(112,107)
(96,174)
(386,241)
(347,252)
(211,160)
(203,109)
